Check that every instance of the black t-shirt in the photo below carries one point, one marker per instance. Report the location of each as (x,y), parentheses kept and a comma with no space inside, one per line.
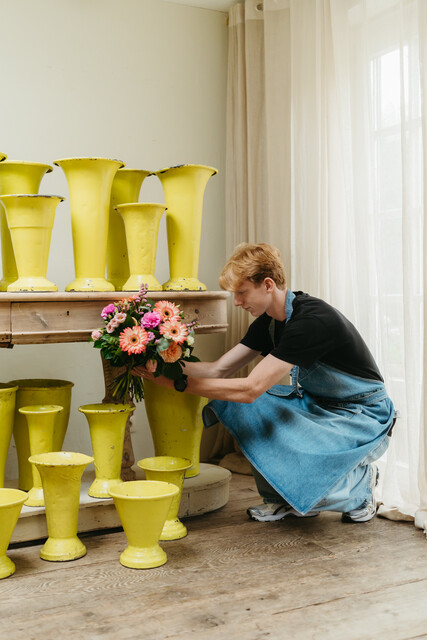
(316,331)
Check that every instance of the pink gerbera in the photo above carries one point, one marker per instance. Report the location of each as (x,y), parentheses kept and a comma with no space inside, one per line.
(174,330)
(167,310)
(133,340)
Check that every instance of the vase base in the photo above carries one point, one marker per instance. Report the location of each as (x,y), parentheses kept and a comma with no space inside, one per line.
(35,497)
(134,283)
(7,567)
(184,284)
(32,284)
(90,284)
(5,282)
(173,530)
(62,549)
(100,488)
(143,558)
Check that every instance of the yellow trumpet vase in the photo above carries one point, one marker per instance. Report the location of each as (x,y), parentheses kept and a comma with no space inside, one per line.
(89,183)
(61,474)
(41,424)
(7,410)
(184,187)
(38,392)
(107,423)
(172,470)
(30,220)
(175,422)
(126,187)
(15,178)
(141,220)
(11,501)
(143,506)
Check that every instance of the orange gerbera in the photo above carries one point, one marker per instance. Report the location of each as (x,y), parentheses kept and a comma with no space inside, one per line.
(167,310)
(172,353)
(174,330)
(133,340)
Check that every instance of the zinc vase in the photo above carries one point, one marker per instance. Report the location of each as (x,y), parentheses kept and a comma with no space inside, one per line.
(30,221)
(41,392)
(184,187)
(176,424)
(61,473)
(168,469)
(7,411)
(11,501)
(143,506)
(41,423)
(141,221)
(107,423)
(89,183)
(16,178)
(126,187)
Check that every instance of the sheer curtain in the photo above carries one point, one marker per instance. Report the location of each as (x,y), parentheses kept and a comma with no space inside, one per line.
(327,106)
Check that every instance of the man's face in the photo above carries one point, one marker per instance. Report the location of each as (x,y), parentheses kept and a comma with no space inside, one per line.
(252,298)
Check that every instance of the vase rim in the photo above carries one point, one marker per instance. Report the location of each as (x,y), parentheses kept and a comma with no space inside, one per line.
(27,163)
(91,159)
(180,166)
(33,383)
(61,459)
(129,169)
(8,386)
(31,195)
(164,489)
(164,463)
(35,409)
(141,205)
(107,407)
(19,496)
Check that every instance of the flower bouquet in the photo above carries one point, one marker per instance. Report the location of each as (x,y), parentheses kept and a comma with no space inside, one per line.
(138,332)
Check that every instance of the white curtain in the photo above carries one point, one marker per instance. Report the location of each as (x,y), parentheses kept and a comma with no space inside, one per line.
(327,123)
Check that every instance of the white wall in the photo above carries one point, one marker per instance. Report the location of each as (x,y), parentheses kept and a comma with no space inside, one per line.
(139,80)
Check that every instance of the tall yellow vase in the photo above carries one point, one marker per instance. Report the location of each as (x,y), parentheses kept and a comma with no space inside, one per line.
(16,177)
(41,424)
(61,473)
(30,220)
(38,392)
(89,183)
(126,187)
(175,422)
(7,410)
(143,506)
(141,220)
(184,187)
(168,469)
(11,501)
(107,423)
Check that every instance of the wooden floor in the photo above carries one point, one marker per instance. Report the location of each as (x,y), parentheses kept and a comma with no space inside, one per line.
(230,578)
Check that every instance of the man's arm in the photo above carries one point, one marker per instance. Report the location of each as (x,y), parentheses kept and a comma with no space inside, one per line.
(228,364)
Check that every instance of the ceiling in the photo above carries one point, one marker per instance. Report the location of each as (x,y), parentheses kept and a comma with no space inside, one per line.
(215,5)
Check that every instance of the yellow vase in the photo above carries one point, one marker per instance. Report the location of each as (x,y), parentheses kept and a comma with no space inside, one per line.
(184,187)
(172,470)
(107,423)
(175,422)
(16,177)
(89,183)
(41,424)
(143,506)
(141,221)
(7,411)
(30,220)
(61,473)
(38,392)
(11,501)
(126,187)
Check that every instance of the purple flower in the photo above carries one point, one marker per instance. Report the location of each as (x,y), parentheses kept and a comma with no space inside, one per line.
(108,311)
(150,320)
(151,336)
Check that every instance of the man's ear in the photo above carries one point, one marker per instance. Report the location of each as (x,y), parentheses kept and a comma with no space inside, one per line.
(269,284)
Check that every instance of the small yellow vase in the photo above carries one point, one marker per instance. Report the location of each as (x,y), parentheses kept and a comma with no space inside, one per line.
(11,501)
(16,177)
(38,392)
(30,220)
(172,470)
(175,422)
(143,506)
(61,473)
(41,424)
(141,220)
(7,411)
(126,187)
(107,423)
(89,183)
(184,187)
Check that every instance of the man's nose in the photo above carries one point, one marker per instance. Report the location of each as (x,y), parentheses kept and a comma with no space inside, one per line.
(237,301)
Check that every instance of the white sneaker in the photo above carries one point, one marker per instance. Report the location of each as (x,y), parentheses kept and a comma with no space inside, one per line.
(272,511)
(367,511)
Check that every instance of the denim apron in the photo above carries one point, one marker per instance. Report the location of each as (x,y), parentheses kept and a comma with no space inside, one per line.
(305,437)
